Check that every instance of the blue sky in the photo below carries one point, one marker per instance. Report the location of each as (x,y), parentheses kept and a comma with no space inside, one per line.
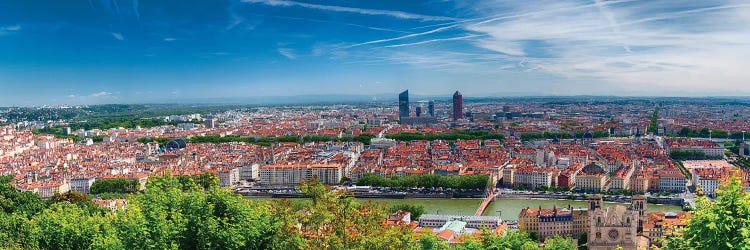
(125,51)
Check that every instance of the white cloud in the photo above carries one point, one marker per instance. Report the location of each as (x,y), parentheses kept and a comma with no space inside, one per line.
(101,94)
(117,36)
(639,47)
(624,44)
(396,14)
(5,30)
(169,39)
(432,41)
(11,28)
(288,53)
(406,36)
(97,97)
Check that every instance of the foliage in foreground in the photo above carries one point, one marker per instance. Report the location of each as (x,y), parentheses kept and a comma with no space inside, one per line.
(178,213)
(720,224)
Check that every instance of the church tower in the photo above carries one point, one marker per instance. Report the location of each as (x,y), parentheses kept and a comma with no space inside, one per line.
(613,226)
(595,202)
(639,205)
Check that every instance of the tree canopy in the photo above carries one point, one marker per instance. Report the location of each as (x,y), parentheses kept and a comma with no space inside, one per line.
(720,224)
(177,212)
(426,181)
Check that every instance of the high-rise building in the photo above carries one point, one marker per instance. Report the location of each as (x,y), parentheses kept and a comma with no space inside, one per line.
(458,106)
(431,108)
(403,104)
(210,123)
(418,111)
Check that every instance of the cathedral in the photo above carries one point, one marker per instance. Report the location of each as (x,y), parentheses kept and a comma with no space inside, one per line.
(616,225)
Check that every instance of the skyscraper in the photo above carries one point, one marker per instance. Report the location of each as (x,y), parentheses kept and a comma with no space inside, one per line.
(431,108)
(418,111)
(458,106)
(403,104)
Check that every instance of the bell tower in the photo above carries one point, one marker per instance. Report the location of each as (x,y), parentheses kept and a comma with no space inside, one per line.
(639,205)
(595,202)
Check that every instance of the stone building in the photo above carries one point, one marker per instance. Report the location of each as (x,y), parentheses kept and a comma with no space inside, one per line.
(616,226)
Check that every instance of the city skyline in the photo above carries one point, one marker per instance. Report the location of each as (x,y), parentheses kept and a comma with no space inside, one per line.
(117,51)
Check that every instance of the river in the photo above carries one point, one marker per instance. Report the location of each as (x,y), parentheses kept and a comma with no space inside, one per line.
(509,208)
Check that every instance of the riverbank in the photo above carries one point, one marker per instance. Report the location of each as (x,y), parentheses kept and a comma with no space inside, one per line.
(504,195)
(507,208)
(375,195)
(584,197)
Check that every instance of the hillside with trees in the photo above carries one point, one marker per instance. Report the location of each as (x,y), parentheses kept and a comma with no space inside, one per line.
(180,213)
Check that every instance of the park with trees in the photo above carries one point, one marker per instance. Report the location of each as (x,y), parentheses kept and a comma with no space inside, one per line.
(426,181)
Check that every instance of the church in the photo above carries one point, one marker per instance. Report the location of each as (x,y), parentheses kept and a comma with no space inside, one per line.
(616,225)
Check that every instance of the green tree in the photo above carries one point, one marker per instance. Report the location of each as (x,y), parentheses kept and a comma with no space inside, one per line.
(114,185)
(559,243)
(723,223)
(653,127)
(335,220)
(67,226)
(17,232)
(430,241)
(12,200)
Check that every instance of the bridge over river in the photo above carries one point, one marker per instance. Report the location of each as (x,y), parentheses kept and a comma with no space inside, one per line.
(490,197)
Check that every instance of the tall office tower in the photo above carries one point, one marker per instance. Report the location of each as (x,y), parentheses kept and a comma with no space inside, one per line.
(418,111)
(458,106)
(403,104)
(210,123)
(431,108)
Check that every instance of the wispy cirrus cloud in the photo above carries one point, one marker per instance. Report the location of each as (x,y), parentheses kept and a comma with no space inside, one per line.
(4,30)
(11,28)
(404,36)
(647,44)
(433,41)
(288,53)
(627,45)
(396,14)
(117,36)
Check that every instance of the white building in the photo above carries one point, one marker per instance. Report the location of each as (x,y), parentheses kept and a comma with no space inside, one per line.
(534,177)
(709,179)
(47,190)
(621,178)
(672,182)
(438,220)
(293,174)
(82,185)
(228,177)
(251,172)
